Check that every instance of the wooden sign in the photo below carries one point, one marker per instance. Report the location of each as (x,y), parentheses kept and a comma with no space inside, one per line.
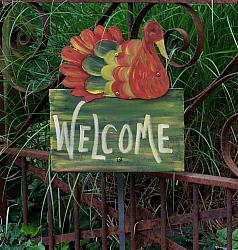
(119,114)
(115,135)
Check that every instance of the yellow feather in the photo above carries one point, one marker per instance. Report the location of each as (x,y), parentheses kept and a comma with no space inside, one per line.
(108,89)
(107,72)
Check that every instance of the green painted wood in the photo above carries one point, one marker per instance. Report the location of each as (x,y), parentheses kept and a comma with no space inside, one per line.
(168,109)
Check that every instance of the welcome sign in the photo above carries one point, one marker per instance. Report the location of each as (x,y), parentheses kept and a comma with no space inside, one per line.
(115,135)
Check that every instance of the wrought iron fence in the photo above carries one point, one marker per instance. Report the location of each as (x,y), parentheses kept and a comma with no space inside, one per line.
(137,229)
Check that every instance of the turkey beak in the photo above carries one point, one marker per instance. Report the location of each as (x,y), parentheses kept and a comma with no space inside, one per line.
(162,49)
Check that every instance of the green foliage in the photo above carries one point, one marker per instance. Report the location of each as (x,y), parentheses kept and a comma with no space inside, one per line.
(88,245)
(14,236)
(221,237)
(29,231)
(63,246)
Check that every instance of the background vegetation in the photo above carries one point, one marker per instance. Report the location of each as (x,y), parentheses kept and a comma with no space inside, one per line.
(202,135)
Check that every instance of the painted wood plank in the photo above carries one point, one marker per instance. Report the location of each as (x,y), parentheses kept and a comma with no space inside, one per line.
(106,135)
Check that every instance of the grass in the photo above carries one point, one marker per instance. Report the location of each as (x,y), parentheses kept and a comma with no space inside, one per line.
(202,135)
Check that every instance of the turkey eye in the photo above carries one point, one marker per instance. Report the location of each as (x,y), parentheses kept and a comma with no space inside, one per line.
(153,31)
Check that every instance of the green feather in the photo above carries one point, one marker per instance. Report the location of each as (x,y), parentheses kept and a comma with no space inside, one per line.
(100,67)
(93,65)
(103,47)
(95,83)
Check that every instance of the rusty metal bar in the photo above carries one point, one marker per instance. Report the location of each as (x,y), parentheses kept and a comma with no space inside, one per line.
(174,220)
(132,211)
(200,37)
(130,18)
(225,145)
(195,217)
(163,215)
(121,210)
(107,14)
(171,244)
(8,74)
(3,202)
(201,179)
(146,225)
(69,237)
(45,30)
(35,154)
(76,213)
(24,191)
(195,178)
(227,70)
(139,19)
(50,215)
(2,127)
(57,182)
(142,1)
(104,212)
(205,93)
(132,175)
(229,219)
(35,112)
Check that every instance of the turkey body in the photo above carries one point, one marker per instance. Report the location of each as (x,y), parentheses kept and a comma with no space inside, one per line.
(140,73)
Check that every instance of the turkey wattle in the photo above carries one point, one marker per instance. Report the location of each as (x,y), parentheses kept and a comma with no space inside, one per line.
(100,64)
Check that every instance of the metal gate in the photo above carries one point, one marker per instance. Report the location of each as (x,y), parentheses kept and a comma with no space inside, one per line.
(139,229)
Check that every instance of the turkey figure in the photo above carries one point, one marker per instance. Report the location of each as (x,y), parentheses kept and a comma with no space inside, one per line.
(100,64)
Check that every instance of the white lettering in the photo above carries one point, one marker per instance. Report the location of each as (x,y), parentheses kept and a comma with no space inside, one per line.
(60,135)
(105,149)
(162,138)
(141,130)
(83,138)
(125,143)
(95,156)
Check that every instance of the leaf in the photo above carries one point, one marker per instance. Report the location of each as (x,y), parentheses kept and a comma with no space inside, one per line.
(93,65)
(103,47)
(235,234)
(84,222)
(222,234)
(234,244)
(14,234)
(84,242)
(63,246)
(93,246)
(39,246)
(211,247)
(27,230)
(23,246)
(26,245)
